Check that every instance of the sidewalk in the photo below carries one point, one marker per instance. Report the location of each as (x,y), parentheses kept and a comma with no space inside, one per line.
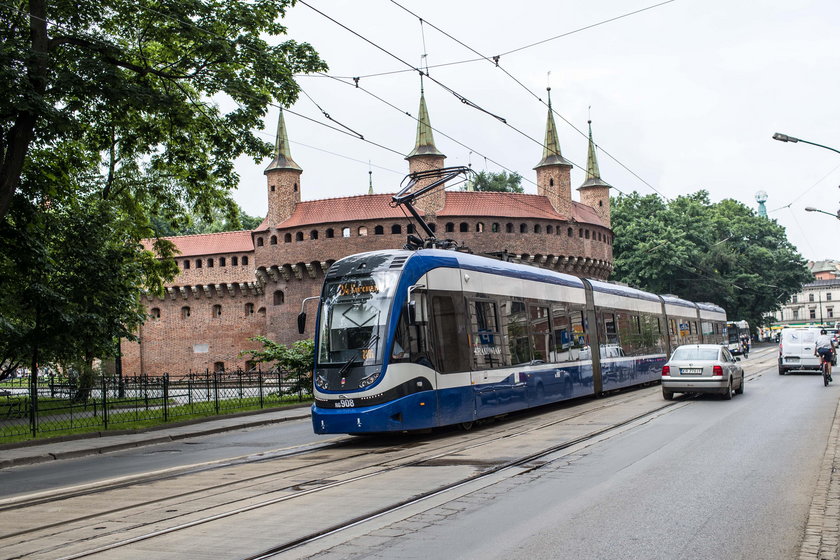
(39,451)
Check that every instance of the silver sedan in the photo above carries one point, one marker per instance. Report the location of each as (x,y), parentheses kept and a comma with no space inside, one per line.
(702,368)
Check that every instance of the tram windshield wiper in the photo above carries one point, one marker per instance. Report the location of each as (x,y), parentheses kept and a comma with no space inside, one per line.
(356,357)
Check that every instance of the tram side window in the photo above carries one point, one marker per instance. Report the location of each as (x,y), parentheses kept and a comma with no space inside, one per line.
(487,350)
(580,335)
(516,327)
(450,342)
(610,328)
(411,339)
(561,339)
(640,334)
(540,332)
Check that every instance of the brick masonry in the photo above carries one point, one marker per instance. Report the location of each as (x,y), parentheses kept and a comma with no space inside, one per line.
(209,313)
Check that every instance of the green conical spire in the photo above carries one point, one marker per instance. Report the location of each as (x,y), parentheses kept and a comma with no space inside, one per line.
(551,146)
(593,175)
(282,153)
(425,144)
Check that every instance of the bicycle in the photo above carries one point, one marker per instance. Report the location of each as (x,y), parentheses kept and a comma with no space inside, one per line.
(824,361)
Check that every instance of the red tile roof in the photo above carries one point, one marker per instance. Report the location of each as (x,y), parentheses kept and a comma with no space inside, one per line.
(346,209)
(458,203)
(210,243)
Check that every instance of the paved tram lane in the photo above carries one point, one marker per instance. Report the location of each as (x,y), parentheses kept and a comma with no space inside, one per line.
(710,479)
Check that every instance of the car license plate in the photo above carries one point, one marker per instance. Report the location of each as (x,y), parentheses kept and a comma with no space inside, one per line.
(691,371)
(791,359)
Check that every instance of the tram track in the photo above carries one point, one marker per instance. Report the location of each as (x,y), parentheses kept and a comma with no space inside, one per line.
(325,469)
(202,512)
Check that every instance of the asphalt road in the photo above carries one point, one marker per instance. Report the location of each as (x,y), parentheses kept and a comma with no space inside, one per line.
(713,479)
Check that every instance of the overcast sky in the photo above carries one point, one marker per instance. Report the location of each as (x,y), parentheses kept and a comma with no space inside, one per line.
(684,96)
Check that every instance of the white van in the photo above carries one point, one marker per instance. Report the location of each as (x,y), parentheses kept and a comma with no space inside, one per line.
(796,349)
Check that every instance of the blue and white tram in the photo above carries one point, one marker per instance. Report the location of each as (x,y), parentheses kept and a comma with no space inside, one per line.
(410,340)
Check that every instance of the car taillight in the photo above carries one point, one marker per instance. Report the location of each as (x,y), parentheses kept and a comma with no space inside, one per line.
(666,370)
(717,370)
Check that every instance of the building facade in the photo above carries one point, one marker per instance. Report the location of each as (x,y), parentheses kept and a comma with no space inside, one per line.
(236,285)
(818,303)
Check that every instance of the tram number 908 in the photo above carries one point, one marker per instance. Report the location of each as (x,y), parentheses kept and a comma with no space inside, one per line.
(345,403)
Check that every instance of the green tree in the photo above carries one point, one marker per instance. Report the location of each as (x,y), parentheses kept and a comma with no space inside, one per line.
(117,121)
(139,88)
(296,361)
(486,181)
(722,253)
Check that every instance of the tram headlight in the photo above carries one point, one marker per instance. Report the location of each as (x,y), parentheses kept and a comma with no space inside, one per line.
(321,381)
(369,380)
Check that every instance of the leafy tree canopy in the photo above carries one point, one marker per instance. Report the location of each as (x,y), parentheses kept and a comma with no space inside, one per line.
(193,224)
(722,253)
(136,91)
(116,118)
(487,181)
(297,360)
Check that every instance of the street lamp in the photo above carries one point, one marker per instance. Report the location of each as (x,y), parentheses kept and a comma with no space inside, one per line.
(812,209)
(785,138)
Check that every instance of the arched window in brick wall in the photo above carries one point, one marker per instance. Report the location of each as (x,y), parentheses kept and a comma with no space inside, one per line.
(549,230)
(273,188)
(600,203)
(210,263)
(273,240)
(508,227)
(551,182)
(222,261)
(586,233)
(313,234)
(244,260)
(410,228)
(218,367)
(249,309)
(396,229)
(155,313)
(261,311)
(345,232)
(259,241)
(523,228)
(479,227)
(186,265)
(299,236)
(234,261)
(537,228)
(217,311)
(433,227)
(362,231)
(571,232)
(580,232)
(185,312)
(330,233)
(279,297)
(378,230)
(449,228)
(198,263)
(464,227)
(295,187)
(287,238)
(495,227)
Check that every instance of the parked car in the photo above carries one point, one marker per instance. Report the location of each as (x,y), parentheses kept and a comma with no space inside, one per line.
(796,349)
(702,368)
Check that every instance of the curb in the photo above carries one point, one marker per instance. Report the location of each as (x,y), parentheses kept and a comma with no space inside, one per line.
(42,455)
(822,529)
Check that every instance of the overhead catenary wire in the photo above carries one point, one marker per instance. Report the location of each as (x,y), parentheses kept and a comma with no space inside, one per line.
(495,61)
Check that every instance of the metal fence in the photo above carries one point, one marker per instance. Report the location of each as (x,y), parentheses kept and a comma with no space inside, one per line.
(61,406)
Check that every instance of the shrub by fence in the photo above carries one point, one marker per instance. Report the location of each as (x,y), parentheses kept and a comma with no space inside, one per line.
(138,401)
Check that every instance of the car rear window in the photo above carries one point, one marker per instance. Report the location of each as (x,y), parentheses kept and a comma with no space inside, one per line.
(800,337)
(688,353)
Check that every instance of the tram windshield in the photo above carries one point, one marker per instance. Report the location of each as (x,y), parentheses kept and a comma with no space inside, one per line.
(353,316)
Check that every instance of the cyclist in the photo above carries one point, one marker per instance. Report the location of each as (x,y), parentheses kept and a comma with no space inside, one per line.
(824,348)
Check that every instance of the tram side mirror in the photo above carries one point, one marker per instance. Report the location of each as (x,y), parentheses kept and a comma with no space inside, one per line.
(301,319)
(412,312)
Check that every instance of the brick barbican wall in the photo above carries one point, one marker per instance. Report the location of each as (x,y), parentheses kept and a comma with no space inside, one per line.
(172,343)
